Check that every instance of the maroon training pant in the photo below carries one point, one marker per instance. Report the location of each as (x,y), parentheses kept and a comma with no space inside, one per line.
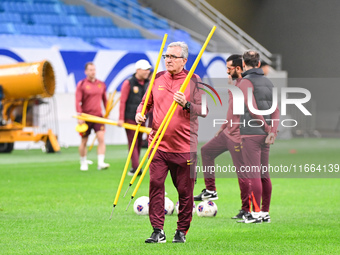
(214,148)
(138,146)
(255,155)
(179,165)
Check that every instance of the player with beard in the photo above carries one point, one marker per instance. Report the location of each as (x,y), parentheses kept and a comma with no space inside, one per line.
(226,139)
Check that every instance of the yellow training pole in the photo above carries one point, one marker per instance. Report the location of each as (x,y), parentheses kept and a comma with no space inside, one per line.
(138,126)
(150,147)
(110,101)
(92,144)
(95,119)
(172,110)
(113,106)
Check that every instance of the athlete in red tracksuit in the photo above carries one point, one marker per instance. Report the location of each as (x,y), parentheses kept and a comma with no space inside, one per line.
(90,93)
(177,150)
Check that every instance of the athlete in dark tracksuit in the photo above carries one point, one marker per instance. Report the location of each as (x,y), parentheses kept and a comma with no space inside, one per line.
(132,92)
(256,139)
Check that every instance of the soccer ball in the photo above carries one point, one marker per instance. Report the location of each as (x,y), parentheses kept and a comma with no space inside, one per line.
(168,206)
(141,205)
(193,208)
(207,209)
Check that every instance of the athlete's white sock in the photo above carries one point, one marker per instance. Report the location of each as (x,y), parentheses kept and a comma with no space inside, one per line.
(256,214)
(101,158)
(83,160)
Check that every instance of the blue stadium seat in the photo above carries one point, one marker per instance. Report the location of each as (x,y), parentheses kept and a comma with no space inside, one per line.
(25,7)
(137,21)
(18,1)
(95,21)
(15,1)
(71,31)
(148,23)
(137,33)
(162,23)
(89,32)
(73,9)
(52,19)
(44,8)
(120,12)
(10,17)
(147,12)
(6,28)
(133,2)
(34,29)
(36,41)
(131,33)
(135,45)
(117,33)
(135,13)
(119,3)
(45,1)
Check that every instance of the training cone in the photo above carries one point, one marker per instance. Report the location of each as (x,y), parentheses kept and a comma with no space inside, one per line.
(81,128)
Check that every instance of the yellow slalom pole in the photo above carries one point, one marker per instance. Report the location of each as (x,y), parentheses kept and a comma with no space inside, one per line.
(150,147)
(108,110)
(95,119)
(138,126)
(172,110)
(113,106)
(110,101)
(92,144)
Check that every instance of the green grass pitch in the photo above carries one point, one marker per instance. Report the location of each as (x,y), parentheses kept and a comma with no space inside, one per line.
(48,206)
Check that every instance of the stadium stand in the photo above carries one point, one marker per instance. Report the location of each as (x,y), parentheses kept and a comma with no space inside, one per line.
(59,21)
(36,41)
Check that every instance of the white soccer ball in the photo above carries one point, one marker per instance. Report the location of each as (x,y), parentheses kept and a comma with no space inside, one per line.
(193,208)
(168,206)
(141,205)
(207,209)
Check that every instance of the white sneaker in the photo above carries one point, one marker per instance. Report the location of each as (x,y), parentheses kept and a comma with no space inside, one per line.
(89,162)
(84,166)
(103,166)
(265,217)
(254,217)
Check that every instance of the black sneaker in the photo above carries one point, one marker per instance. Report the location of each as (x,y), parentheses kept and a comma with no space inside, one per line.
(239,215)
(179,237)
(265,217)
(206,195)
(132,172)
(158,236)
(248,218)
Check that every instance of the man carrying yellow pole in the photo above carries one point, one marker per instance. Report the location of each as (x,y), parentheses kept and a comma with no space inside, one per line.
(138,126)
(177,150)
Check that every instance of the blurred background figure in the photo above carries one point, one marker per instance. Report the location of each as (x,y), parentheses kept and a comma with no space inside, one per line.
(132,92)
(90,93)
(265,67)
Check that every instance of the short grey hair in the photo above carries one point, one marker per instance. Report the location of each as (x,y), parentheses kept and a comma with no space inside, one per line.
(183,46)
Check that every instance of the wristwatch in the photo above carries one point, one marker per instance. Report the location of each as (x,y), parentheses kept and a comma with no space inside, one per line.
(187,106)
